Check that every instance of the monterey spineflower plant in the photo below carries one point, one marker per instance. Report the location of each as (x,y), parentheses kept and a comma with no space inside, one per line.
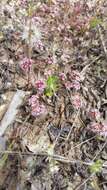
(80,19)
(76,101)
(99,128)
(94,114)
(25,64)
(73,82)
(38,110)
(62,76)
(39,45)
(68,85)
(23,2)
(49,60)
(76,85)
(33,100)
(36,107)
(75,75)
(48,72)
(40,85)
(75,78)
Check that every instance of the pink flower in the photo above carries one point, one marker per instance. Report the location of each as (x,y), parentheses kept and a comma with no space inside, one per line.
(77,101)
(75,75)
(94,114)
(37,20)
(104,131)
(23,2)
(68,85)
(49,60)
(76,85)
(62,76)
(25,64)
(44,8)
(39,45)
(78,8)
(40,85)
(34,99)
(96,127)
(48,73)
(36,108)
(99,128)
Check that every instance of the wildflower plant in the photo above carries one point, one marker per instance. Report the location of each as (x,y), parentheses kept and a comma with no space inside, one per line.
(37,108)
(94,114)
(99,128)
(26,64)
(96,167)
(73,82)
(94,22)
(76,101)
(40,85)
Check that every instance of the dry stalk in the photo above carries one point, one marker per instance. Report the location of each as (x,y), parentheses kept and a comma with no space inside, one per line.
(102,40)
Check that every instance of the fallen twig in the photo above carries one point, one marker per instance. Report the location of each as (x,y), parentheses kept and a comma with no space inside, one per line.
(102,41)
(12,111)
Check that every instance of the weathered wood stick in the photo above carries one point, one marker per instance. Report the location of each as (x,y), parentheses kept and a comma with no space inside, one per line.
(10,114)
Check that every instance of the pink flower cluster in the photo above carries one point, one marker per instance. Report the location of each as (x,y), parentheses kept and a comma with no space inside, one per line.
(99,128)
(74,80)
(94,114)
(80,24)
(96,125)
(36,108)
(80,18)
(76,101)
(68,85)
(48,72)
(23,2)
(76,85)
(40,85)
(39,45)
(25,64)
(78,7)
(49,60)
(62,76)
(75,75)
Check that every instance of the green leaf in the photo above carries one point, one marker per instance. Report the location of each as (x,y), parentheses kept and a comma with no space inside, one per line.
(52,82)
(96,166)
(94,22)
(49,92)
(52,85)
